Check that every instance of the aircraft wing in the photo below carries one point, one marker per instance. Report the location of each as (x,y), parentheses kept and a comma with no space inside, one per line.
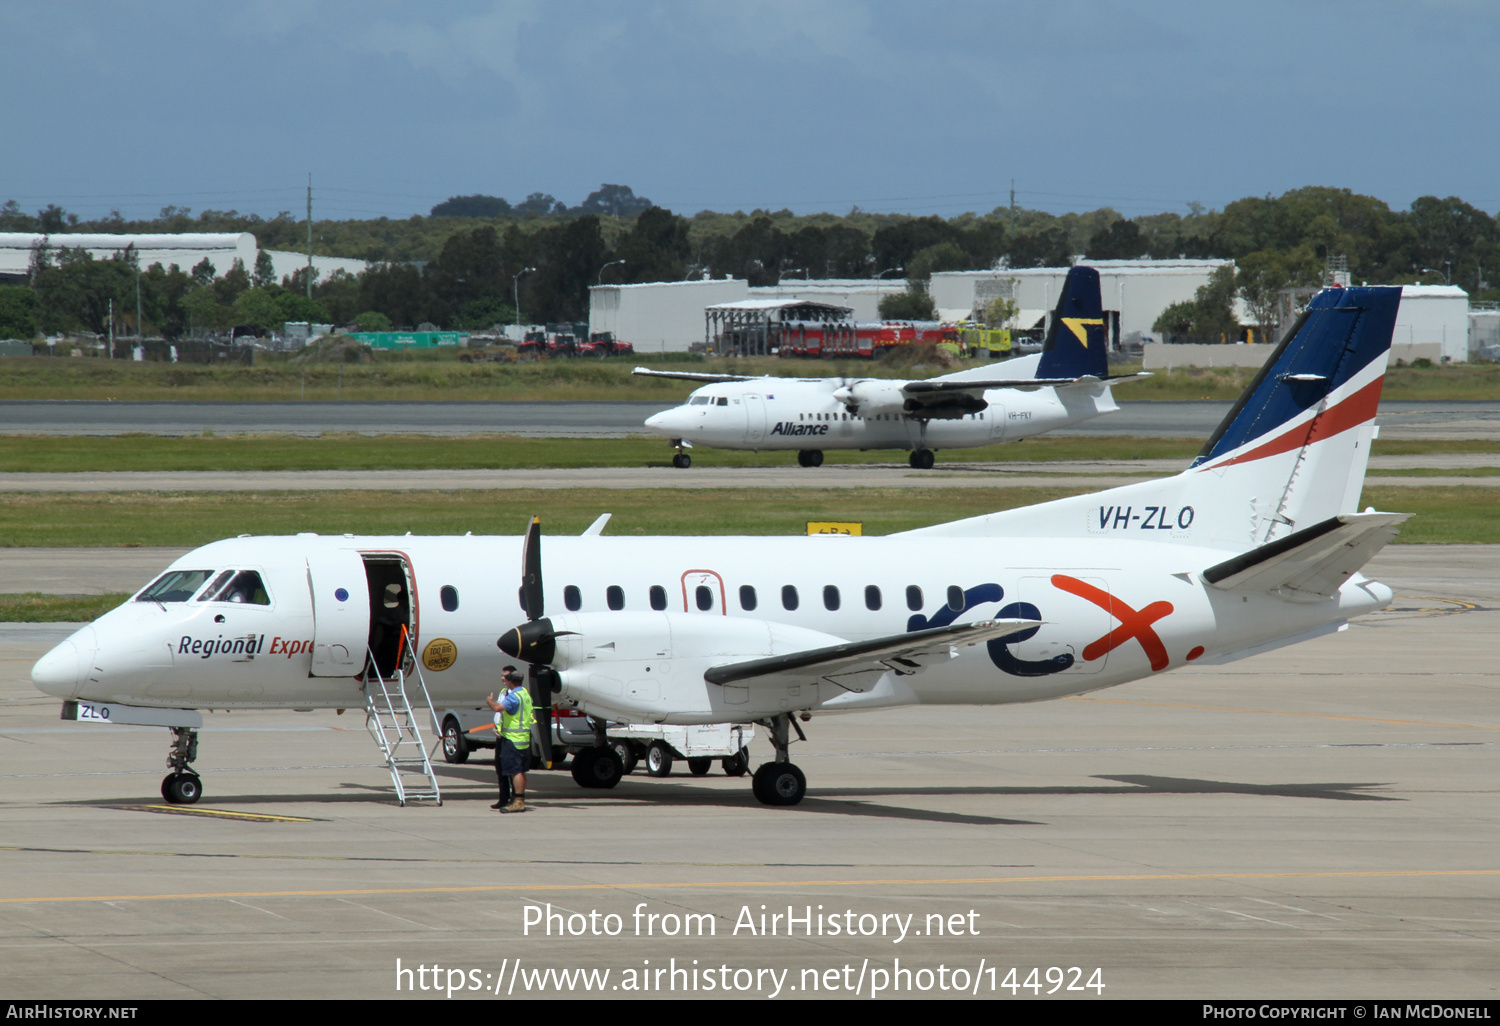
(859,664)
(937,387)
(646,372)
(1314,562)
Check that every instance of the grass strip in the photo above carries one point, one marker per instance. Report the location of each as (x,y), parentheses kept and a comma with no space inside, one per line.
(1444,515)
(34,607)
(439,375)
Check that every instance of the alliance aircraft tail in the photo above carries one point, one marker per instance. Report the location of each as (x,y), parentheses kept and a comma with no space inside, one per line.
(1290,455)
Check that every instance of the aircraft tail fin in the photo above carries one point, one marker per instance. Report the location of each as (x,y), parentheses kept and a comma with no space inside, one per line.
(1077,343)
(1290,454)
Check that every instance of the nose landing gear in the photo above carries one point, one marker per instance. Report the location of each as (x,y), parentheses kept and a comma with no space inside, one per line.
(182,786)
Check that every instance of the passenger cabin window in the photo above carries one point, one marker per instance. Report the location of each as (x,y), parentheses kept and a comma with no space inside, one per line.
(658,597)
(704,596)
(245,587)
(572,599)
(830,596)
(788,596)
(448,596)
(175,586)
(872,597)
(913,598)
(955,598)
(614,596)
(747,597)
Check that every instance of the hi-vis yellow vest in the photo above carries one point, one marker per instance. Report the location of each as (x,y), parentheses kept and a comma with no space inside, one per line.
(516,727)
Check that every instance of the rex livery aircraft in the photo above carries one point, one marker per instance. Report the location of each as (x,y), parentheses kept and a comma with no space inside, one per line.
(1255,546)
(1067,383)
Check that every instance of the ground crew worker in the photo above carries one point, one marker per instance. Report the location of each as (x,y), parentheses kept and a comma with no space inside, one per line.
(514,718)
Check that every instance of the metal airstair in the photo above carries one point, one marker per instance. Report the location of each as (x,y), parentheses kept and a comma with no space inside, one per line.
(393,724)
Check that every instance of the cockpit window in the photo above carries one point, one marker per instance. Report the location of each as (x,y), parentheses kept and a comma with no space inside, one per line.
(214,588)
(723,400)
(699,400)
(175,586)
(246,587)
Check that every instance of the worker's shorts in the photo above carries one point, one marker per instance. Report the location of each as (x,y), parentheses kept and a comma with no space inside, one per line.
(513,760)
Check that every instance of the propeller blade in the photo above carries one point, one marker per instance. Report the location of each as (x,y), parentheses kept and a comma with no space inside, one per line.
(539,683)
(531,570)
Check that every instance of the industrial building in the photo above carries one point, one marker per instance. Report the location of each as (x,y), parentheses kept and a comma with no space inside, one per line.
(221,249)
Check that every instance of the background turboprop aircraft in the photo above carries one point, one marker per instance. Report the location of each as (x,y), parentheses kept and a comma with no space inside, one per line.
(1067,383)
(1255,546)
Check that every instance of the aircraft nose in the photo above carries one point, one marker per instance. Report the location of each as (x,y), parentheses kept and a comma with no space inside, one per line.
(62,670)
(667,421)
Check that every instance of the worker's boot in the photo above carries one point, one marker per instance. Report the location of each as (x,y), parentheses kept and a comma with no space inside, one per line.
(519,805)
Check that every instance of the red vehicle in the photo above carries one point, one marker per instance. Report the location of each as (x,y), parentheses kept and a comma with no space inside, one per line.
(868,339)
(604,343)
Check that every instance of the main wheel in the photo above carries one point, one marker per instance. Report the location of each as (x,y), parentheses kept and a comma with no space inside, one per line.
(597,767)
(922,459)
(658,760)
(810,458)
(735,765)
(682,461)
(455,745)
(182,788)
(699,767)
(779,783)
(627,755)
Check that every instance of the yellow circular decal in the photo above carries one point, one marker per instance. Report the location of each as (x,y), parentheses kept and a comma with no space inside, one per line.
(439,654)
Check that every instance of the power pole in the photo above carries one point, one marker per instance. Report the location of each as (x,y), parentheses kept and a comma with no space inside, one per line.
(1012,208)
(309,235)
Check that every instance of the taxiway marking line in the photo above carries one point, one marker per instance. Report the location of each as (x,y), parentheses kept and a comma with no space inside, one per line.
(1281,712)
(731,884)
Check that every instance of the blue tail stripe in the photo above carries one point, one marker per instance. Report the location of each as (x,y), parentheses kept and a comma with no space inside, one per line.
(1064,355)
(1341,333)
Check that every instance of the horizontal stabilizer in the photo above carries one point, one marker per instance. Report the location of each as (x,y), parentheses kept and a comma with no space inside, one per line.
(859,664)
(647,372)
(1313,562)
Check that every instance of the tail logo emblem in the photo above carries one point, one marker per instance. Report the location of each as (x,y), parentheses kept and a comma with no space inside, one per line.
(1077,324)
(1133,623)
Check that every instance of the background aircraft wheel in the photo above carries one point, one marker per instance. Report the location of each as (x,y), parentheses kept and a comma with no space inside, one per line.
(735,765)
(182,788)
(597,767)
(810,458)
(682,461)
(779,783)
(699,767)
(922,459)
(455,745)
(627,755)
(658,759)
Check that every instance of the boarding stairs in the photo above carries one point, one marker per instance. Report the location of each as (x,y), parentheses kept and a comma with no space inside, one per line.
(391,721)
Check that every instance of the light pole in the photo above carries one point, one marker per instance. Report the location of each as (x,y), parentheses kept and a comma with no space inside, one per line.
(1447,275)
(607,267)
(516,286)
(887,271)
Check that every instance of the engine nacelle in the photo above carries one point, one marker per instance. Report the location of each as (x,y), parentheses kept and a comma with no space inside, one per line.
(869,397)
(648,667)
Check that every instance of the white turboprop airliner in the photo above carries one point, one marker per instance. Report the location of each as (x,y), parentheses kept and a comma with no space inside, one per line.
(1067,383)
(1257,545)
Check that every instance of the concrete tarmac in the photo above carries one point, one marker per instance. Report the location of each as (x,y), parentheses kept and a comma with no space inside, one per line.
(1384,470)
(1316,822)
(561,419)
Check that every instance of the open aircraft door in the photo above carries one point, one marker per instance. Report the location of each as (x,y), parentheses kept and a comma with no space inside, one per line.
(341,612)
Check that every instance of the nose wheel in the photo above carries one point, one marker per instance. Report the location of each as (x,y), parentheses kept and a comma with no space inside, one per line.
(182,786)
(682,460)
(922,459)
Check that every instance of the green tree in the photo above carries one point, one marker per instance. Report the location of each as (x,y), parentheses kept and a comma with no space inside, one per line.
(18,312)
(914,304)
(1263,274)
(372,320)
(265,270)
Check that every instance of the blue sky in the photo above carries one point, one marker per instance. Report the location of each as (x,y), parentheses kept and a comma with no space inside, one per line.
(814,105)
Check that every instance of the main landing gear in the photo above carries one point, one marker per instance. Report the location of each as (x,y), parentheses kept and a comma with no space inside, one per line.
(599,766)
(810,458)
(922,459)
(182,786)
(779,782)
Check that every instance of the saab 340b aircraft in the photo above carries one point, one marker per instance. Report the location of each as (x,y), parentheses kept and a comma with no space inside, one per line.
(1255,546)
(1067,383)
